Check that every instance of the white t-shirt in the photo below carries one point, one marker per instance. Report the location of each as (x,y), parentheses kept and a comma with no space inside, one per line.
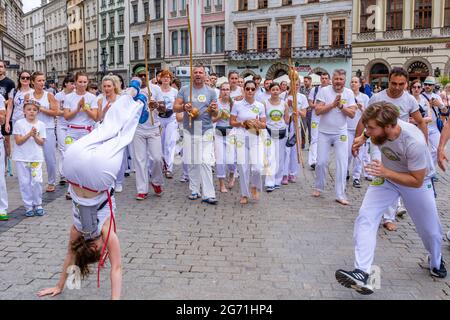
(18,102)
(409,152)
(302,102)
(314,117)
(335,121)
(60,97)
(44,103)
(238,92)
(2,108)
(261,97)
(435,96)
(30,151)
(275,115)
(156,96)
(248,111)
(169,99)
(364,100)
(71,103)
(406,104)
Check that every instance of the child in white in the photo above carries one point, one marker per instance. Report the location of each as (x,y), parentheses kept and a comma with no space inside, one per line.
(30,134)
(335,104)
(3,193)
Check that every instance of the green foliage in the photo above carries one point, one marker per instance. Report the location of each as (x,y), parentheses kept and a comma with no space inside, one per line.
(443,80)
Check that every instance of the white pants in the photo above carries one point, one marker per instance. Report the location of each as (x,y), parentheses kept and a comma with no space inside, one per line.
(61,147)
(421,206)
(433,142)
(276,158)
(291,166)
(30,183)
(169,140)
(50,155)
(312,155)
(198,155)
(365,152)
(250,150)
(3,193)
(341,154)
(95,160)
(357,161)
(146,145)
(225,155)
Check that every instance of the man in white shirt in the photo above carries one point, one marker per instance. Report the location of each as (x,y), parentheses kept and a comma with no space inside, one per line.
(315,120)
(335,104)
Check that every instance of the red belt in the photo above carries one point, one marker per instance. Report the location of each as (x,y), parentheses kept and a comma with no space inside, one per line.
(88,128)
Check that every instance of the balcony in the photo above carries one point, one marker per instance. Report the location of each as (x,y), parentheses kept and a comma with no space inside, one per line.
(208,9)
(296,53)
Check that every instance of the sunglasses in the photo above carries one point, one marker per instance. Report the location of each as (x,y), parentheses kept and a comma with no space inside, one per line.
(25,78)
(428,85)
(250,89)
(141,75)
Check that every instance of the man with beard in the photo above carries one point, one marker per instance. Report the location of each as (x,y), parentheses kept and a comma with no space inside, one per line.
(405,170)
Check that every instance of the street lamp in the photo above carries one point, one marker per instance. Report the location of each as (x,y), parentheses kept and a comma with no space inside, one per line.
(104,55)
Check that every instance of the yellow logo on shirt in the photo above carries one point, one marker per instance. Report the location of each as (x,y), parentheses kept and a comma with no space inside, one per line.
(343,138)
(201,98)
(390,154)
(377,181)
(255,110)
(68,140)
(86,107)
(276,115)
(314,125)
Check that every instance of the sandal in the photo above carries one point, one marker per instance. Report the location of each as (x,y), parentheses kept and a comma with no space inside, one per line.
(50,188)
(390,226)
(244,200)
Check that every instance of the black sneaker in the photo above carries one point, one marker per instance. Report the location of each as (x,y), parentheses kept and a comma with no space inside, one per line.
(356,183)
(356,279)
(348,176)
(441,273)
(313,166)
(270,189)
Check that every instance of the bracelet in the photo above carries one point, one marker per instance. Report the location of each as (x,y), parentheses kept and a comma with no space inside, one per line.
(365,135)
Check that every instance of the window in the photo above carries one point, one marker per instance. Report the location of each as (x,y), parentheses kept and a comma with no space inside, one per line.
(208,40)
(112,53)
(146,10)
(157,9)
(447,14)
(312,35)
(286,2)
(220,39)
(136,49)
(242,39)
(207,6)
(120,53)
(135,13)
(219,5)
(104,26)
(394,15)
(184,42)
(422,14)
(338,33)
(175,43)
(367,24)
(121,23)
(261,35)
(262,4)
(158,46)
(112,28)
(243,5)
(183,8)
(286,40)
(81,58)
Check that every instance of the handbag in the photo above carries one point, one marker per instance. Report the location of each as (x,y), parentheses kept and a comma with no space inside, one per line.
(439,122)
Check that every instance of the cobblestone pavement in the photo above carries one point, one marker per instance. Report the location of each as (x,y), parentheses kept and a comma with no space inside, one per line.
(287,246)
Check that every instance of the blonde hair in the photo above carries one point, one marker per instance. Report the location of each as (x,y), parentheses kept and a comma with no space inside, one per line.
(115,81)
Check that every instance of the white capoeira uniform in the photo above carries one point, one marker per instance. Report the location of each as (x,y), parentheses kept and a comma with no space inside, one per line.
(81,124)
(351,130)
(225,151)
(250,148)
(198,141)
(406,105)
(409,152)
(18,102)
(169,127)
(291,165)
(3,192)
(147,156)
(61,131)
(50,141)
(315,121)
(275,143)
(433,132)
(333,130)
(29,158)
(261,95)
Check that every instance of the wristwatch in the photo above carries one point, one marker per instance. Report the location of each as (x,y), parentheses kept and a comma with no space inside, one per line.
(366,135)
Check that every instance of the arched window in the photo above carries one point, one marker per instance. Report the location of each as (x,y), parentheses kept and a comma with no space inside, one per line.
(208,40)
(418,70)
(379,75)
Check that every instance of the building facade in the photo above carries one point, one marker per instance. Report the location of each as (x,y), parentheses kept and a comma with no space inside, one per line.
(262,36)
(12,40)
(28,40)
(410,34)
(91,39)
(140,12)
(113,47)
(208,30)
(39,45)
(55,14)
(76,44)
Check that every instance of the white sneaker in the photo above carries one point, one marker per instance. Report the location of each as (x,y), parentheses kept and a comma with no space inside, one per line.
(401,211)
(118,188)
(448,235)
